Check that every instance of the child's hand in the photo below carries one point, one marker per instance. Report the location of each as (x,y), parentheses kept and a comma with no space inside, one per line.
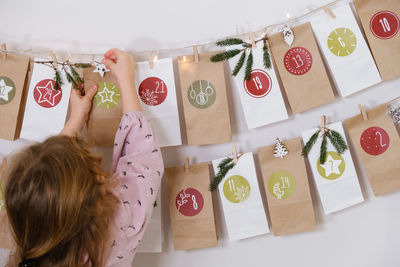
(122,66)
(80,108)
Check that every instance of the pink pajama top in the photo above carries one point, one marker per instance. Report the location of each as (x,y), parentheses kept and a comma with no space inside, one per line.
(138,164)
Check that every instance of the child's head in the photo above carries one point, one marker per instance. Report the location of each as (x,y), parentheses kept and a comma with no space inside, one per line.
(59,203)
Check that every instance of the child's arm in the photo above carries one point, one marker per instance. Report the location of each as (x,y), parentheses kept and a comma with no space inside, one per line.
(137,160)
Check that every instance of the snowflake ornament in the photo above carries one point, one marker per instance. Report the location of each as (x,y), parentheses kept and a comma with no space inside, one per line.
(280,149)
(101,69)
(242,193)
(149,97)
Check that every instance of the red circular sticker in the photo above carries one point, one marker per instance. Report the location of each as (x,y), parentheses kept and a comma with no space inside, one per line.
(153,91)
(374,141)
(45,95)
(259,85)
(298,61)
(384,24)
(189,202)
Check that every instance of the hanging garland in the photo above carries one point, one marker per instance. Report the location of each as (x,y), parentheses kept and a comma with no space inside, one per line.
(226,55)
(334,137)
(72,75)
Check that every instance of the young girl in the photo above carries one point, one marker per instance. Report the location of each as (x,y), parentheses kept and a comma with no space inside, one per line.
(63,209)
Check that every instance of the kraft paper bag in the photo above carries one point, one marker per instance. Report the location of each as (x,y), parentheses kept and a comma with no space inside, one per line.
(157,93)
(301,69)
(13,70)
(191,208)
(380,20)
(106,111)
(46,108)
(205,104)
(6,240)
(336,180)
(241,200)
(153,237)
(261,96)
(378,146)
(345,50)
(288,192)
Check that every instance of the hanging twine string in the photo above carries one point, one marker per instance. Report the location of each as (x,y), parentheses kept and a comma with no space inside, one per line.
(258,32)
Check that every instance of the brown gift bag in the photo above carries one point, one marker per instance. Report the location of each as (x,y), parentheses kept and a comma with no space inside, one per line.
(301,70)
(6,240)
(106,111)
(380,20)
(205,103)
(191,207)
(288,192)
(13,70)
(378,146)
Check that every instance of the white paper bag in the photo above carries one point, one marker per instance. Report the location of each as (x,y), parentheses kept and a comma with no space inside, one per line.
(345,50)
(261,96)
(157,94)
(46,109)
(153,237)
(336,180)
(241,200)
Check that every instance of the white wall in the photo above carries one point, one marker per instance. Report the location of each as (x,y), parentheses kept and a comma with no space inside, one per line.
(366,235)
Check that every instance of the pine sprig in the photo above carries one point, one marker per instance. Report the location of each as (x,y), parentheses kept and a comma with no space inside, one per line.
(229,41)
(337,141)
(266,56)
(82,65)
(223,167)
(225,55)
(307,148)
(75,74)
(249,66)
(57,78)
(323,149)
(239,64)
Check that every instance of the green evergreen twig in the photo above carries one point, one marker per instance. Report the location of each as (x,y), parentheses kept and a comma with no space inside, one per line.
(337,141)
(307,148)
(266,55)
(223,167)
(323,149)
(225,55)
(57,78)
(249,66)
(229,41)
(239,64)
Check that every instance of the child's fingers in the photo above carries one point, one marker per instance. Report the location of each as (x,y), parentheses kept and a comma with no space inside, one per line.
(76,93)
(91,92)
(113,54)
(108,63)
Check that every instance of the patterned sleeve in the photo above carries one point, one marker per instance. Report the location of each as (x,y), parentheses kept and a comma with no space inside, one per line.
(138,164)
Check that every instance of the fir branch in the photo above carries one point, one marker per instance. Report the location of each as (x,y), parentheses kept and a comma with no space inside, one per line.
(223,167)
(337,141)
(266,56)
(57,78)
(225,55)
(307,148)
(70,79)
(82,65)
(239,64)
(229,41)
(75,74)
(249,66)
(323,150)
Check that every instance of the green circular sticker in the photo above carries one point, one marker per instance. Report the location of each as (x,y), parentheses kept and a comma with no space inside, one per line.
(333,167)
(342,42)
(201,94)
(281,184)
(236,189)
(7,90)
(107,96)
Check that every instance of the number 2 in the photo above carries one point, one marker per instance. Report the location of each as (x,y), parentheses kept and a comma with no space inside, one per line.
(385,24)
(380,139)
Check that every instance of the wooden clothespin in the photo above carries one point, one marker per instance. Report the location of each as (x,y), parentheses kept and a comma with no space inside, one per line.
(53,58)
(150,58)
(363,112)
(329,12)
(323,122)
(187,166)
(196,54)
(234,154)
(4,51)
(252,40)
